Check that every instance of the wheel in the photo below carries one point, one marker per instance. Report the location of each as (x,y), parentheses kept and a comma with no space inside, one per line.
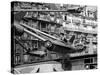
(48,44)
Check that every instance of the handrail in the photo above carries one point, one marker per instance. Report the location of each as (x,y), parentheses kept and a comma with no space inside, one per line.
(35,35)
(36,30)
(35,10)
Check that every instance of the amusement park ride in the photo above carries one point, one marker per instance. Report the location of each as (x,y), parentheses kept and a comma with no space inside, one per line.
(50,42)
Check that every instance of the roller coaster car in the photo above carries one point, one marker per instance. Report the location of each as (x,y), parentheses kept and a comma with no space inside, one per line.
(57,47)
